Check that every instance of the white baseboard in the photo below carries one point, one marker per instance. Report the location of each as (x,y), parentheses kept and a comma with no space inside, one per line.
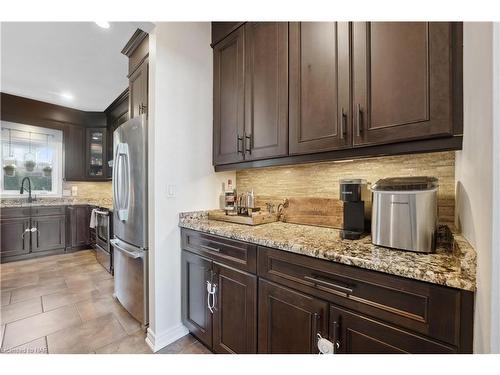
(159,341)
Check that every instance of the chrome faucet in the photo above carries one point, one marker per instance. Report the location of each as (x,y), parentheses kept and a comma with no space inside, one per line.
(23,189)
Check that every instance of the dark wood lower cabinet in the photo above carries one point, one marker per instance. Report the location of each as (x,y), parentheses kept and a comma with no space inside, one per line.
(235,314)
(356,334)
(49,234)
(78,227)
(291,300)
(289,321)
(196,272)
(226,320)
(14,241)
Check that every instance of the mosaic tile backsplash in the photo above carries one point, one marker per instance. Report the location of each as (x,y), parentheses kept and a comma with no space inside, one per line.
(322,179)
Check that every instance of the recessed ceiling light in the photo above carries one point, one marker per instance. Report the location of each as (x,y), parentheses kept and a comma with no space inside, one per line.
(66,95)
(103,24)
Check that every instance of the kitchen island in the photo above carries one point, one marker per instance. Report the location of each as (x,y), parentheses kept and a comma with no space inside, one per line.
(291,282)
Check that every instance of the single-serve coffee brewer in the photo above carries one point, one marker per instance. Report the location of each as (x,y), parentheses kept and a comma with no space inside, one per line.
(356,197)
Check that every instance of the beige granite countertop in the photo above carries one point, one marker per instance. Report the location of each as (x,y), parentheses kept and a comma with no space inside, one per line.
(70,201)
(453,264)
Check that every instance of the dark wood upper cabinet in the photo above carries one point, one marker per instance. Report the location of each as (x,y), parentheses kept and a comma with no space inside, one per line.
(222,29)
(138,90)
(96,154)
(354,90)
(356,334)
(319,87)
(137,51)
(235,314)
(229,95)
(196,272)
(402,81)
(266,90)
(13,238)
(74,153)
(289,321)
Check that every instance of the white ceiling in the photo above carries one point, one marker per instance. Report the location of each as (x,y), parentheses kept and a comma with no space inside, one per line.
(41,60)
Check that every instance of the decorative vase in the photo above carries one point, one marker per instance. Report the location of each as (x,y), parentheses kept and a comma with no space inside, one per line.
(9,170)
(29,165)
(47,171)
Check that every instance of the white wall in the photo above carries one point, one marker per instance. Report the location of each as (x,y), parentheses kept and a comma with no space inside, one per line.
(495,272)
(180,154)
(474,169)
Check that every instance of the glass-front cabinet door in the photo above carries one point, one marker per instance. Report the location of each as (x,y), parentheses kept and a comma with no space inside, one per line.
(96,153)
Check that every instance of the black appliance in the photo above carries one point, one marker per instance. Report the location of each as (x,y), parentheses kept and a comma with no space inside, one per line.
(103,228)
(354,193)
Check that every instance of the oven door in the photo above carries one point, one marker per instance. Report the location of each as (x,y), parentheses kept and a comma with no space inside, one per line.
(102,230)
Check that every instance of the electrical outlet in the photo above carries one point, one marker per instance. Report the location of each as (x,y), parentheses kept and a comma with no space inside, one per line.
(74,191)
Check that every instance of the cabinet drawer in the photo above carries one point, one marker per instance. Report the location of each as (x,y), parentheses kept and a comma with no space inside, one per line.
(240,255)
(48,210)
(14,212)
(422,307)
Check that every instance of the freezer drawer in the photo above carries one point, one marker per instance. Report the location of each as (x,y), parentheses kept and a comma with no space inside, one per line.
(130,271)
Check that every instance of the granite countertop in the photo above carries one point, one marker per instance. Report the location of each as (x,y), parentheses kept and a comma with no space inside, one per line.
(41,202)
(453,264)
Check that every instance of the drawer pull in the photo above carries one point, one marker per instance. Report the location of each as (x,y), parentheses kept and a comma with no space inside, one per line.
(209,248)
(329,284)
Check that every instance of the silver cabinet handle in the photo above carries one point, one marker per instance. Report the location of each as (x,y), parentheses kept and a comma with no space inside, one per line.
(211,289)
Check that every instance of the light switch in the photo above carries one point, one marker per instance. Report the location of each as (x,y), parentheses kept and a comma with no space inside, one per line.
(171,191)
(74,191)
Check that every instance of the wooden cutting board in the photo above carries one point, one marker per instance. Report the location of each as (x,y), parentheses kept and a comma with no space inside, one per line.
(257,218)
(324,212)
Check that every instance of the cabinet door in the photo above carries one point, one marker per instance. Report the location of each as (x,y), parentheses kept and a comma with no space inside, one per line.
(74,153)
(196,271)
(50,233)
(320,115)
(358,334)
(79,221)
(13,239)
(402,81)
(289,321)
(266,90)
(138,90)
(235,314)
(96,153)
(229,98)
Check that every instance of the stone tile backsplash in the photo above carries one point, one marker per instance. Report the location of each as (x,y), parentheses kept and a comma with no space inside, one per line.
(322,179)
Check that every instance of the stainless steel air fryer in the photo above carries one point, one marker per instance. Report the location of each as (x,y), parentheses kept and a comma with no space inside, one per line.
(405,213)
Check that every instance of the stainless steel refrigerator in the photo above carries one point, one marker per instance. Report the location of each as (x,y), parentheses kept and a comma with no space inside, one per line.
(130,217)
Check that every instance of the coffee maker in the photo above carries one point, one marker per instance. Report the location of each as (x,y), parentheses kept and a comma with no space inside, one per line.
(356,197)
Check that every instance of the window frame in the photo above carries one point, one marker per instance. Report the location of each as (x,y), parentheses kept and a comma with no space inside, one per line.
(57,166)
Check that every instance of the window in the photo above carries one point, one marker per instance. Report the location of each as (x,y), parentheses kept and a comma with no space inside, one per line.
(34,152)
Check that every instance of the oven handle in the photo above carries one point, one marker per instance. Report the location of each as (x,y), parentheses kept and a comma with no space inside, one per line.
(102,213)
(130,254)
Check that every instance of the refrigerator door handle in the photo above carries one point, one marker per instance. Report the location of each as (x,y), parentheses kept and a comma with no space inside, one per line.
(122,170)
(130,254)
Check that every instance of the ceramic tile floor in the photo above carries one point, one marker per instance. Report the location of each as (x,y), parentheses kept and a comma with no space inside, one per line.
(64,304)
